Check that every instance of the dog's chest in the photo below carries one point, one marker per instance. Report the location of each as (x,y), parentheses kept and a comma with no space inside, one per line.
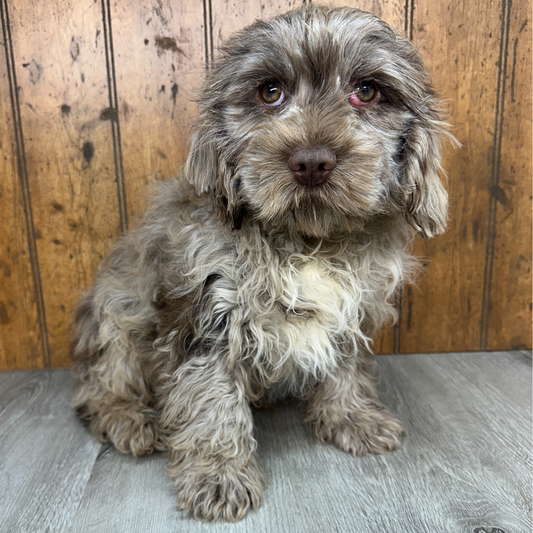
(298,315)
(309,292)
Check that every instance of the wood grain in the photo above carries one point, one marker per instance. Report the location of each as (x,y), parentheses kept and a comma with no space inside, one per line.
(47,456)
(508,281)
(465,464)
(105,99)
(443,312)
(229,16)
(20,335)
(159,64)
(59,53)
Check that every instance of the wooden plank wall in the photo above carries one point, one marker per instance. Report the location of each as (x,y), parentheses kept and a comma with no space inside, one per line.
(96,98)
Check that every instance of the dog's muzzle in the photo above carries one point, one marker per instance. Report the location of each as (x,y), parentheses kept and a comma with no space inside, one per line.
(312,166)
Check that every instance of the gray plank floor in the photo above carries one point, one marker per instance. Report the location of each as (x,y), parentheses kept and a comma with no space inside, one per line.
(465,465)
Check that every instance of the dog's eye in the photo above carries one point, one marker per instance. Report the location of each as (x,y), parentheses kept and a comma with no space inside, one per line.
(271,94)
(364,92)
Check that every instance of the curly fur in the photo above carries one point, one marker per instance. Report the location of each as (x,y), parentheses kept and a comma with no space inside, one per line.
(243,286)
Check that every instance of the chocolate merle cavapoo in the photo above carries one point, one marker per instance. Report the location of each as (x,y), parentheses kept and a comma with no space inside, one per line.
(263,269)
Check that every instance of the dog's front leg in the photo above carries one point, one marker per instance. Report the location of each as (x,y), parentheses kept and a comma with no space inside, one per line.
(208,425)
(344,410)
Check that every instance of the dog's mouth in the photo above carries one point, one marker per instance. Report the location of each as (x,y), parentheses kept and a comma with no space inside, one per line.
(324,210)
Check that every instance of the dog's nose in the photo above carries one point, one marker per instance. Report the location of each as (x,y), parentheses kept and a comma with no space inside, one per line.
(311,166)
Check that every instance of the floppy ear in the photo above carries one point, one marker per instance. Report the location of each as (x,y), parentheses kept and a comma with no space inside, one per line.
(201,167)
(211,174)
(426,200)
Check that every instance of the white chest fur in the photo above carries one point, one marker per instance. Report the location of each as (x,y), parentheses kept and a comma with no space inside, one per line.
(298,318)
(319,310)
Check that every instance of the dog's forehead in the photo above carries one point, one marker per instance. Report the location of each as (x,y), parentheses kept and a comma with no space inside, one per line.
(314,43)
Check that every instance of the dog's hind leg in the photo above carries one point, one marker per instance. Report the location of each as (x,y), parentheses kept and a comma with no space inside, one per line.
(113,398)
(208,432)
(344,411)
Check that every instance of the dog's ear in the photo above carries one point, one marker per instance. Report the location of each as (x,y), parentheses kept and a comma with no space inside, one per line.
(202,165)
(208,171)
(425,199)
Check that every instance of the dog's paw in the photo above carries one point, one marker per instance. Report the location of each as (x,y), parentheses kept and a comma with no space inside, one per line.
(228,494)
(131,430)
(371,431)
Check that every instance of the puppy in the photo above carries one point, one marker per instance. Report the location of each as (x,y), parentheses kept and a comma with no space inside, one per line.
(264,268)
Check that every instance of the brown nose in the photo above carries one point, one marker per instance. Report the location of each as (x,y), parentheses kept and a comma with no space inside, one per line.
(311,166)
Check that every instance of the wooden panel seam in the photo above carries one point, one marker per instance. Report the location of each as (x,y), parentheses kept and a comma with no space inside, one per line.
(495,172)
(409,12)
(113,109)
(208,33)
(24,184)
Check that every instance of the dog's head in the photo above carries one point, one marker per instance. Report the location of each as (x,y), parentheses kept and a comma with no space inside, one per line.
(320,120)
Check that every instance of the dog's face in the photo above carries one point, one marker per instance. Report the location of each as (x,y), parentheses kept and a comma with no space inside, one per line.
(320,121)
